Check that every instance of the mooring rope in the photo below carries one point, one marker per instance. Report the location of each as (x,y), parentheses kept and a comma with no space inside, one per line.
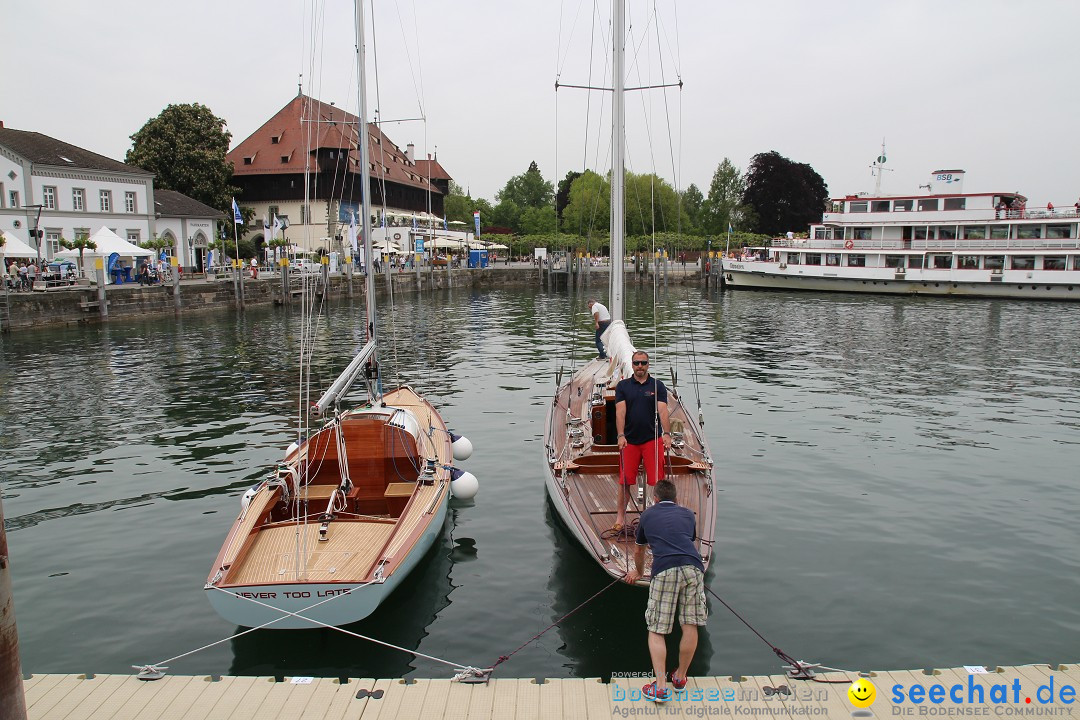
(463,671)
(799,670)
(534,638)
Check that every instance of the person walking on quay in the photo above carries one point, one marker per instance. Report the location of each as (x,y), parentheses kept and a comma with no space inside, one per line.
(641,417)
(31,275)
(601,319)
(678,581)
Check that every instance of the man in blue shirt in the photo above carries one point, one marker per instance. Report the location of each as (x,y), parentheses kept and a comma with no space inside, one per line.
(678,580)
(641,414)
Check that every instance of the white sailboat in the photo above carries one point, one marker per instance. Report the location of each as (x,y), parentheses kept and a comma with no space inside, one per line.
(353,506)
(580,437)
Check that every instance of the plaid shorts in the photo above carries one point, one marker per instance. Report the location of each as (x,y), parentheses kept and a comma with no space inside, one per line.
(683,586)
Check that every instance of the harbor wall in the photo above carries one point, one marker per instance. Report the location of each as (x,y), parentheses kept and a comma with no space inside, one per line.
(76,305)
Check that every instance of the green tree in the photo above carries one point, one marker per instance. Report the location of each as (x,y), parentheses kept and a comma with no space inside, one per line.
(562,197)
(652,205)
(693,203)
(505,214)
(529,189)
(82,243)
(589,206)
(185,148)
(784,194)
(537,221)
(723,206)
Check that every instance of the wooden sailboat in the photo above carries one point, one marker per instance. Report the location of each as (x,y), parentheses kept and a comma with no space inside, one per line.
(580,435)
(351,509)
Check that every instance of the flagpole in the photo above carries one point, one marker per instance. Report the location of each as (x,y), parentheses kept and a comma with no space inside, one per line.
(727,249)
(238,218)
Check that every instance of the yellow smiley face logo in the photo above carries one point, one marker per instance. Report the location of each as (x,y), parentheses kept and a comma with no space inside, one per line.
(862,693)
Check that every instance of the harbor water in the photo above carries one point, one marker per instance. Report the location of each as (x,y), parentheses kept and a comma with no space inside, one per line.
(897,483)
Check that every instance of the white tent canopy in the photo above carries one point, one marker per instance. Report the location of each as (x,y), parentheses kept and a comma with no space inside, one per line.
(108,243)
(14,247)
(441,242)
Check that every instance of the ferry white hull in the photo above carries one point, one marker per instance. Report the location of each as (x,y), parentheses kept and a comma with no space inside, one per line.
(255,605)
(1031,285)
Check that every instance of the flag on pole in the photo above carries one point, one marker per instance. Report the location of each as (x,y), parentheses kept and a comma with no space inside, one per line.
(210,258)
(476,221)
(444,222)
(729,228)
(237,217)
(278,225)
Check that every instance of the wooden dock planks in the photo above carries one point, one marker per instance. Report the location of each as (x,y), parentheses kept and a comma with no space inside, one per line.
(116,697)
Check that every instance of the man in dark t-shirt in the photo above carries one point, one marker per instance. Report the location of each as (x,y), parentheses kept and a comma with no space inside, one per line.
(678,580)
(641,415)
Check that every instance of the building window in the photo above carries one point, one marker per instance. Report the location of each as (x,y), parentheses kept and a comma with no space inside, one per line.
(967,262)
(1029,232)
(129,202)
(78,199)
(856,260)
(82,232)
(1022,262)
(275,139)
(272,212)
(974,232)
(832,259)
(879,206)
(303,214)
(247,160)
(993,262)
(813,258)
(52,242)
(793,258)
(106,200)
(284,159)
(13,199)
(946,232)
(894,261)
(902,205)
(999,232)
(1057,232)
(930,204)
(942,262)
(133,236)
(915,262)
(862,233)
(48,197)
(955,203)
(857,206)
(1054,262)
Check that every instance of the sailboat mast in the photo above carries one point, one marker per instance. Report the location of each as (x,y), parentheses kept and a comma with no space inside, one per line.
(618,131)
(365,174)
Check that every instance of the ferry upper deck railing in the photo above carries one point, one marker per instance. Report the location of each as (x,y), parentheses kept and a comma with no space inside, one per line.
(931,245)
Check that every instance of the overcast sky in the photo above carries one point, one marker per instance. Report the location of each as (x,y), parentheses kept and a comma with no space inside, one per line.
(981,85)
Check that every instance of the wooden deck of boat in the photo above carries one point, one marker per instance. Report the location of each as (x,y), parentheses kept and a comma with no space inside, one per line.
(71,697)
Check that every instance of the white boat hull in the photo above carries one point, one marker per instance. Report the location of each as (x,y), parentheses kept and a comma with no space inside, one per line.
(759,275)
(256,605)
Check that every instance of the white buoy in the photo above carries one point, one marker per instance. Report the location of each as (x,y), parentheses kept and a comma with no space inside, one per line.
(250,493)
(293,447)
(461,446)
(463,484)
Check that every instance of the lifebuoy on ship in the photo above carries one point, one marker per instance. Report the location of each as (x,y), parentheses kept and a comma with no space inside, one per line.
(397,236)
(848,244)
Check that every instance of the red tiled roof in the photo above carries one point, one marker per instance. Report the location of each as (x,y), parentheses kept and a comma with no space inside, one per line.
(330,127)
(437,170)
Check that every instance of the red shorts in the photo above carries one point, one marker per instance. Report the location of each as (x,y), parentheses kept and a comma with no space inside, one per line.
(652,453)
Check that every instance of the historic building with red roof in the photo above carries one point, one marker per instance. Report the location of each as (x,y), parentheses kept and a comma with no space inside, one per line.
(270,165)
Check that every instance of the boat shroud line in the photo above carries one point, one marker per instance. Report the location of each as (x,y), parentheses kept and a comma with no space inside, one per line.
(153,671)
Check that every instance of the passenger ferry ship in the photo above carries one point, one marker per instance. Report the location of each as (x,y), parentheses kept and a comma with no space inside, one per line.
(941,243)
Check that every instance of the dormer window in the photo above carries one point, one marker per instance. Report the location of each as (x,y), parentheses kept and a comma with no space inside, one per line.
(274,140)
(284,159)
(249,160)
